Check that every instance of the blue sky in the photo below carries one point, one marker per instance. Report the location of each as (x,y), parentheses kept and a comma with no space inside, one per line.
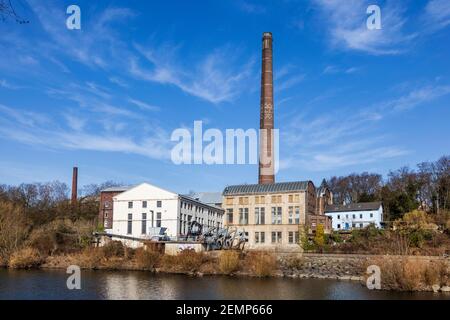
(107,97)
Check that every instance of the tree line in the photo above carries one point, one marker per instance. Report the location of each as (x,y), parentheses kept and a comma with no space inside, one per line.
(426,187)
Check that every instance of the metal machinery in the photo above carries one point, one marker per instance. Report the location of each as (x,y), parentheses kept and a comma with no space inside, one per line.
(216,238)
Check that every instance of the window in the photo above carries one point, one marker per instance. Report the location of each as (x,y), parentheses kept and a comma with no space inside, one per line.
(260,215)
(293,237)
(159,204)
(262,237)
(354,216)
(297,215)
(243,215)
(291,198)
(290,215)
(158,219)
(262,200)
(276,237)
(276,215)
(229,201)
(360,225)
(276,199)
(371,215)
(346,216)
(338,226)
(130,205)
(230,215)
(360,216)
(257,200)
(353,225)
(296,198)
(144,204)
(256,237)
(130,223)
(144,223)
(339,216)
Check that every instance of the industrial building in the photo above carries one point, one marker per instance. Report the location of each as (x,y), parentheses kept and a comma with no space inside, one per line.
(146,211)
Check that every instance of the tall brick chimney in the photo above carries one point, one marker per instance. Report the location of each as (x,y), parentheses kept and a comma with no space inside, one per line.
(74,186)
(266,156)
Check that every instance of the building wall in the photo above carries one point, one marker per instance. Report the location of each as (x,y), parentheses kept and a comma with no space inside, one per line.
(304,201)
(163,209)
(168,210)
(105,216)
(347,220)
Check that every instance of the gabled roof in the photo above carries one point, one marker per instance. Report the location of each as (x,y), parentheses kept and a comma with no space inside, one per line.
(362,206)
(266,188)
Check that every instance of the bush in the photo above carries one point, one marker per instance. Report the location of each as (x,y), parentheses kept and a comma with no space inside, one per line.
(262,264)
(411,274)
(25,259)
(229,261)
(113,249)
(146,259)
(189,260)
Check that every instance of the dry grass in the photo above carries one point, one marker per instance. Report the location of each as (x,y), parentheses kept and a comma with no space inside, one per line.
(25,259)
(229,262)
(261,264)
(412,274)
(185,261)
(146,259)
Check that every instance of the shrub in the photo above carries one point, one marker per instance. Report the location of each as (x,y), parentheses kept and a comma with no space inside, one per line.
(25,259)
(14,228)
(229,261)
(189,260)
(262,264)
(113,249)
(319,238)
(146,259)
(89,258)
(411,274)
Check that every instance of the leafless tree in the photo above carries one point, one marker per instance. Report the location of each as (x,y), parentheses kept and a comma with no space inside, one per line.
(8,11)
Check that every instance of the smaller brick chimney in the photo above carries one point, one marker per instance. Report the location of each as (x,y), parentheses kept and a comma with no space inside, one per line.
(74,186)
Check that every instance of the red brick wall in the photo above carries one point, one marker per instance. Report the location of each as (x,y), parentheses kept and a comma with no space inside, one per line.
(105,216)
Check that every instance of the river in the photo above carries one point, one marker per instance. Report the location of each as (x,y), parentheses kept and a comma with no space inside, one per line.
(51,284)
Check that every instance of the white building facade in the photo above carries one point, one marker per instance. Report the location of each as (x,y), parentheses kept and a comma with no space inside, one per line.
(143,210)
(355,215)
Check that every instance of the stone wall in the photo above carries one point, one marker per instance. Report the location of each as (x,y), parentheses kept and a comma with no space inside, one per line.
(331,266)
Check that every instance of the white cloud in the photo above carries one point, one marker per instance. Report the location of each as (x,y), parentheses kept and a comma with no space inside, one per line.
(213,78)
(346,25)
(437,13)
(143,105)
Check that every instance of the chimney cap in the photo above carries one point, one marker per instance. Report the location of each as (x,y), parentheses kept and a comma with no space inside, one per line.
(267,35)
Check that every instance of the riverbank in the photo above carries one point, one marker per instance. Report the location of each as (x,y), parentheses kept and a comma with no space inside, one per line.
(399,273)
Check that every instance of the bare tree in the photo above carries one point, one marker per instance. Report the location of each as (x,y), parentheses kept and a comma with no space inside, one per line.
(8,11)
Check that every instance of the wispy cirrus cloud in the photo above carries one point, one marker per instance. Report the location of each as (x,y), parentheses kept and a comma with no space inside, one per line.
(437,14)
(143,105)
(252,8)
(346,26)
(337,140)
(213,78)
(40,130)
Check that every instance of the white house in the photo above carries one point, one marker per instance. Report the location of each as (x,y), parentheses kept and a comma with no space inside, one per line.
(355,215)
(141,212)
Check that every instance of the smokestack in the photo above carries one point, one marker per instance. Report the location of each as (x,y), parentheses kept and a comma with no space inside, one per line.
(74,186)
(266,156)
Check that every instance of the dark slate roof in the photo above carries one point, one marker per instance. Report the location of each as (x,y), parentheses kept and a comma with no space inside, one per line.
(266,188)
(363,206)
(207,197)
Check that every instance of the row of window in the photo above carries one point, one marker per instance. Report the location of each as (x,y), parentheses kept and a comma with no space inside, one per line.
(190,206)
(354,225)
(277,237)
(144,204)
(144,222)
(292,198)
(354,216)
(260,215)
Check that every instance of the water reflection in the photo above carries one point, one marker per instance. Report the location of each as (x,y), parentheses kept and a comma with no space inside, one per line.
(41,284)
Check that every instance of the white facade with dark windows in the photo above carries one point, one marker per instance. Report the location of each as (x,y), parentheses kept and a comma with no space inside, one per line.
(146,211)
(355,215)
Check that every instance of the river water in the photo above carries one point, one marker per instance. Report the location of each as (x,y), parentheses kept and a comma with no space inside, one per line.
(51,284)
